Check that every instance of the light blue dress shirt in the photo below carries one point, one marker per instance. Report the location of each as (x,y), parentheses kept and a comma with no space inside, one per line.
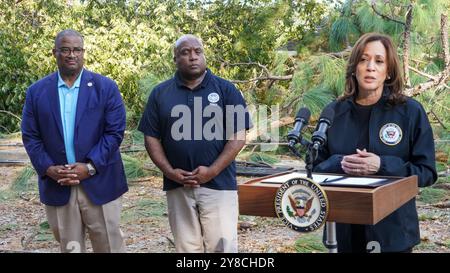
(68,98)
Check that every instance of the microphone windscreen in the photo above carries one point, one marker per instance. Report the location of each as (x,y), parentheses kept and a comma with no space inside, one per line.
(327,114)
(303,113)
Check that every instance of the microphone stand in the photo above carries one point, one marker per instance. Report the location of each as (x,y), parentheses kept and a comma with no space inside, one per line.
(310,156)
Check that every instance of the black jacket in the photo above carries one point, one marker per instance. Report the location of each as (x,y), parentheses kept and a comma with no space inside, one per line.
(414,154)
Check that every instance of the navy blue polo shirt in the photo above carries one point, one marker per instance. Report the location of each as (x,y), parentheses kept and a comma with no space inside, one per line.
(194,125)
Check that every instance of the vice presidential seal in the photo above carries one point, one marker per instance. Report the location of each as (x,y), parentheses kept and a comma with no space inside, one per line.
(301,204)
(213,97)
(391,134)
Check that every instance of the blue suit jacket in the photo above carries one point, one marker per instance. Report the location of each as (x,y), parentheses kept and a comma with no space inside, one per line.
(99,128)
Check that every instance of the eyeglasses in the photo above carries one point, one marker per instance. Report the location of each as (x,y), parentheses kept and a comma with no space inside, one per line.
(65,51)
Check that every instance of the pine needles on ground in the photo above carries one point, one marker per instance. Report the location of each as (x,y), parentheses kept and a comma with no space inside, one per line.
(23,182)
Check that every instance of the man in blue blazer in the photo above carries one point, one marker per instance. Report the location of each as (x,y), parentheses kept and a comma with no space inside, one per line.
(72,126)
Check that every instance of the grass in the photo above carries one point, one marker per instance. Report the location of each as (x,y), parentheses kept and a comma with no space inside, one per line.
(432,196)
(310,243)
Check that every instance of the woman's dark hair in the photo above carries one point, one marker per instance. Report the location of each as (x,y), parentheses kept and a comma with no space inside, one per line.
(394,80)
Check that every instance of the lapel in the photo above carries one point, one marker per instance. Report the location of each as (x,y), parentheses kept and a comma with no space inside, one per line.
(86,89)
(52,86)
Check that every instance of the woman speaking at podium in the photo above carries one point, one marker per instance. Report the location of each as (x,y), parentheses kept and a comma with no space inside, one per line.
(379,131)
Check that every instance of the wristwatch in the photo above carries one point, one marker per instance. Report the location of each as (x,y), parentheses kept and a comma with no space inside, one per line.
(91,169)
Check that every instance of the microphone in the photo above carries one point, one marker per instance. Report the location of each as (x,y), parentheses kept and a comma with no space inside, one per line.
(301,120)
(319,137)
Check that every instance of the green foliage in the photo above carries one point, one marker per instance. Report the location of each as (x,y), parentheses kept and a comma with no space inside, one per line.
(134,167)
(131,41)
(6,195)
(151,208)
(263,158)
(431,195)
(310,243)
(44,225)
(23,182)
(145,208)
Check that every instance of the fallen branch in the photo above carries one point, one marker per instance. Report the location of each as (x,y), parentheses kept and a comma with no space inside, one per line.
(267,75)
(139,180)
(442,205)
(170,240)
(254,133)
(343,54)
(263,67)
(422,73)
(406,42)
(444,39)
(26,241)
(438,81)
(265,78)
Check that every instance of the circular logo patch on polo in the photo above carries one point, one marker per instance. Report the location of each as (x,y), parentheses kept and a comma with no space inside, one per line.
(213,97)
(301,204)
(391,134)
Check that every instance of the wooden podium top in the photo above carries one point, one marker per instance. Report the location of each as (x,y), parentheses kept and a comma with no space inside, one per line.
(349,205)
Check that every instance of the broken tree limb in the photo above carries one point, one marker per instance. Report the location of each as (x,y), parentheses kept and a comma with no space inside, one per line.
(444,39)
(440,79)
(264,78)
(263,67)
(421,73)
(406,42)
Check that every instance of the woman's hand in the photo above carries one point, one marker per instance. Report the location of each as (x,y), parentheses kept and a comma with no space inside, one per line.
(361,163)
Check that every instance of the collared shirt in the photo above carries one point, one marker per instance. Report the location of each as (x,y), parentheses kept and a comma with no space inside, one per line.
(68,98)
(193,126)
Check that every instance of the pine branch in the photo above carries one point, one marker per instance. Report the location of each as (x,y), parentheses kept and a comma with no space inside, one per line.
(423,73)
(254,133)
(264,68)
(438,119)
(342,54)
(9,113)
(406,42)
(268,75)
(384,16)
(444,38)
(439,80)
(265,78)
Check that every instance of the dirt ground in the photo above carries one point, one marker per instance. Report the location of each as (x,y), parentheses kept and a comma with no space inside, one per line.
(23,226)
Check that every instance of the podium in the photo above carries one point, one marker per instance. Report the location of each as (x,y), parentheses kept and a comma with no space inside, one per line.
(351,205)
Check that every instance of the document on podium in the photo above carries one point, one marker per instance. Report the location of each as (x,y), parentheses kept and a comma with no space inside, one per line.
(356,182)
(319,178)
(330,180)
